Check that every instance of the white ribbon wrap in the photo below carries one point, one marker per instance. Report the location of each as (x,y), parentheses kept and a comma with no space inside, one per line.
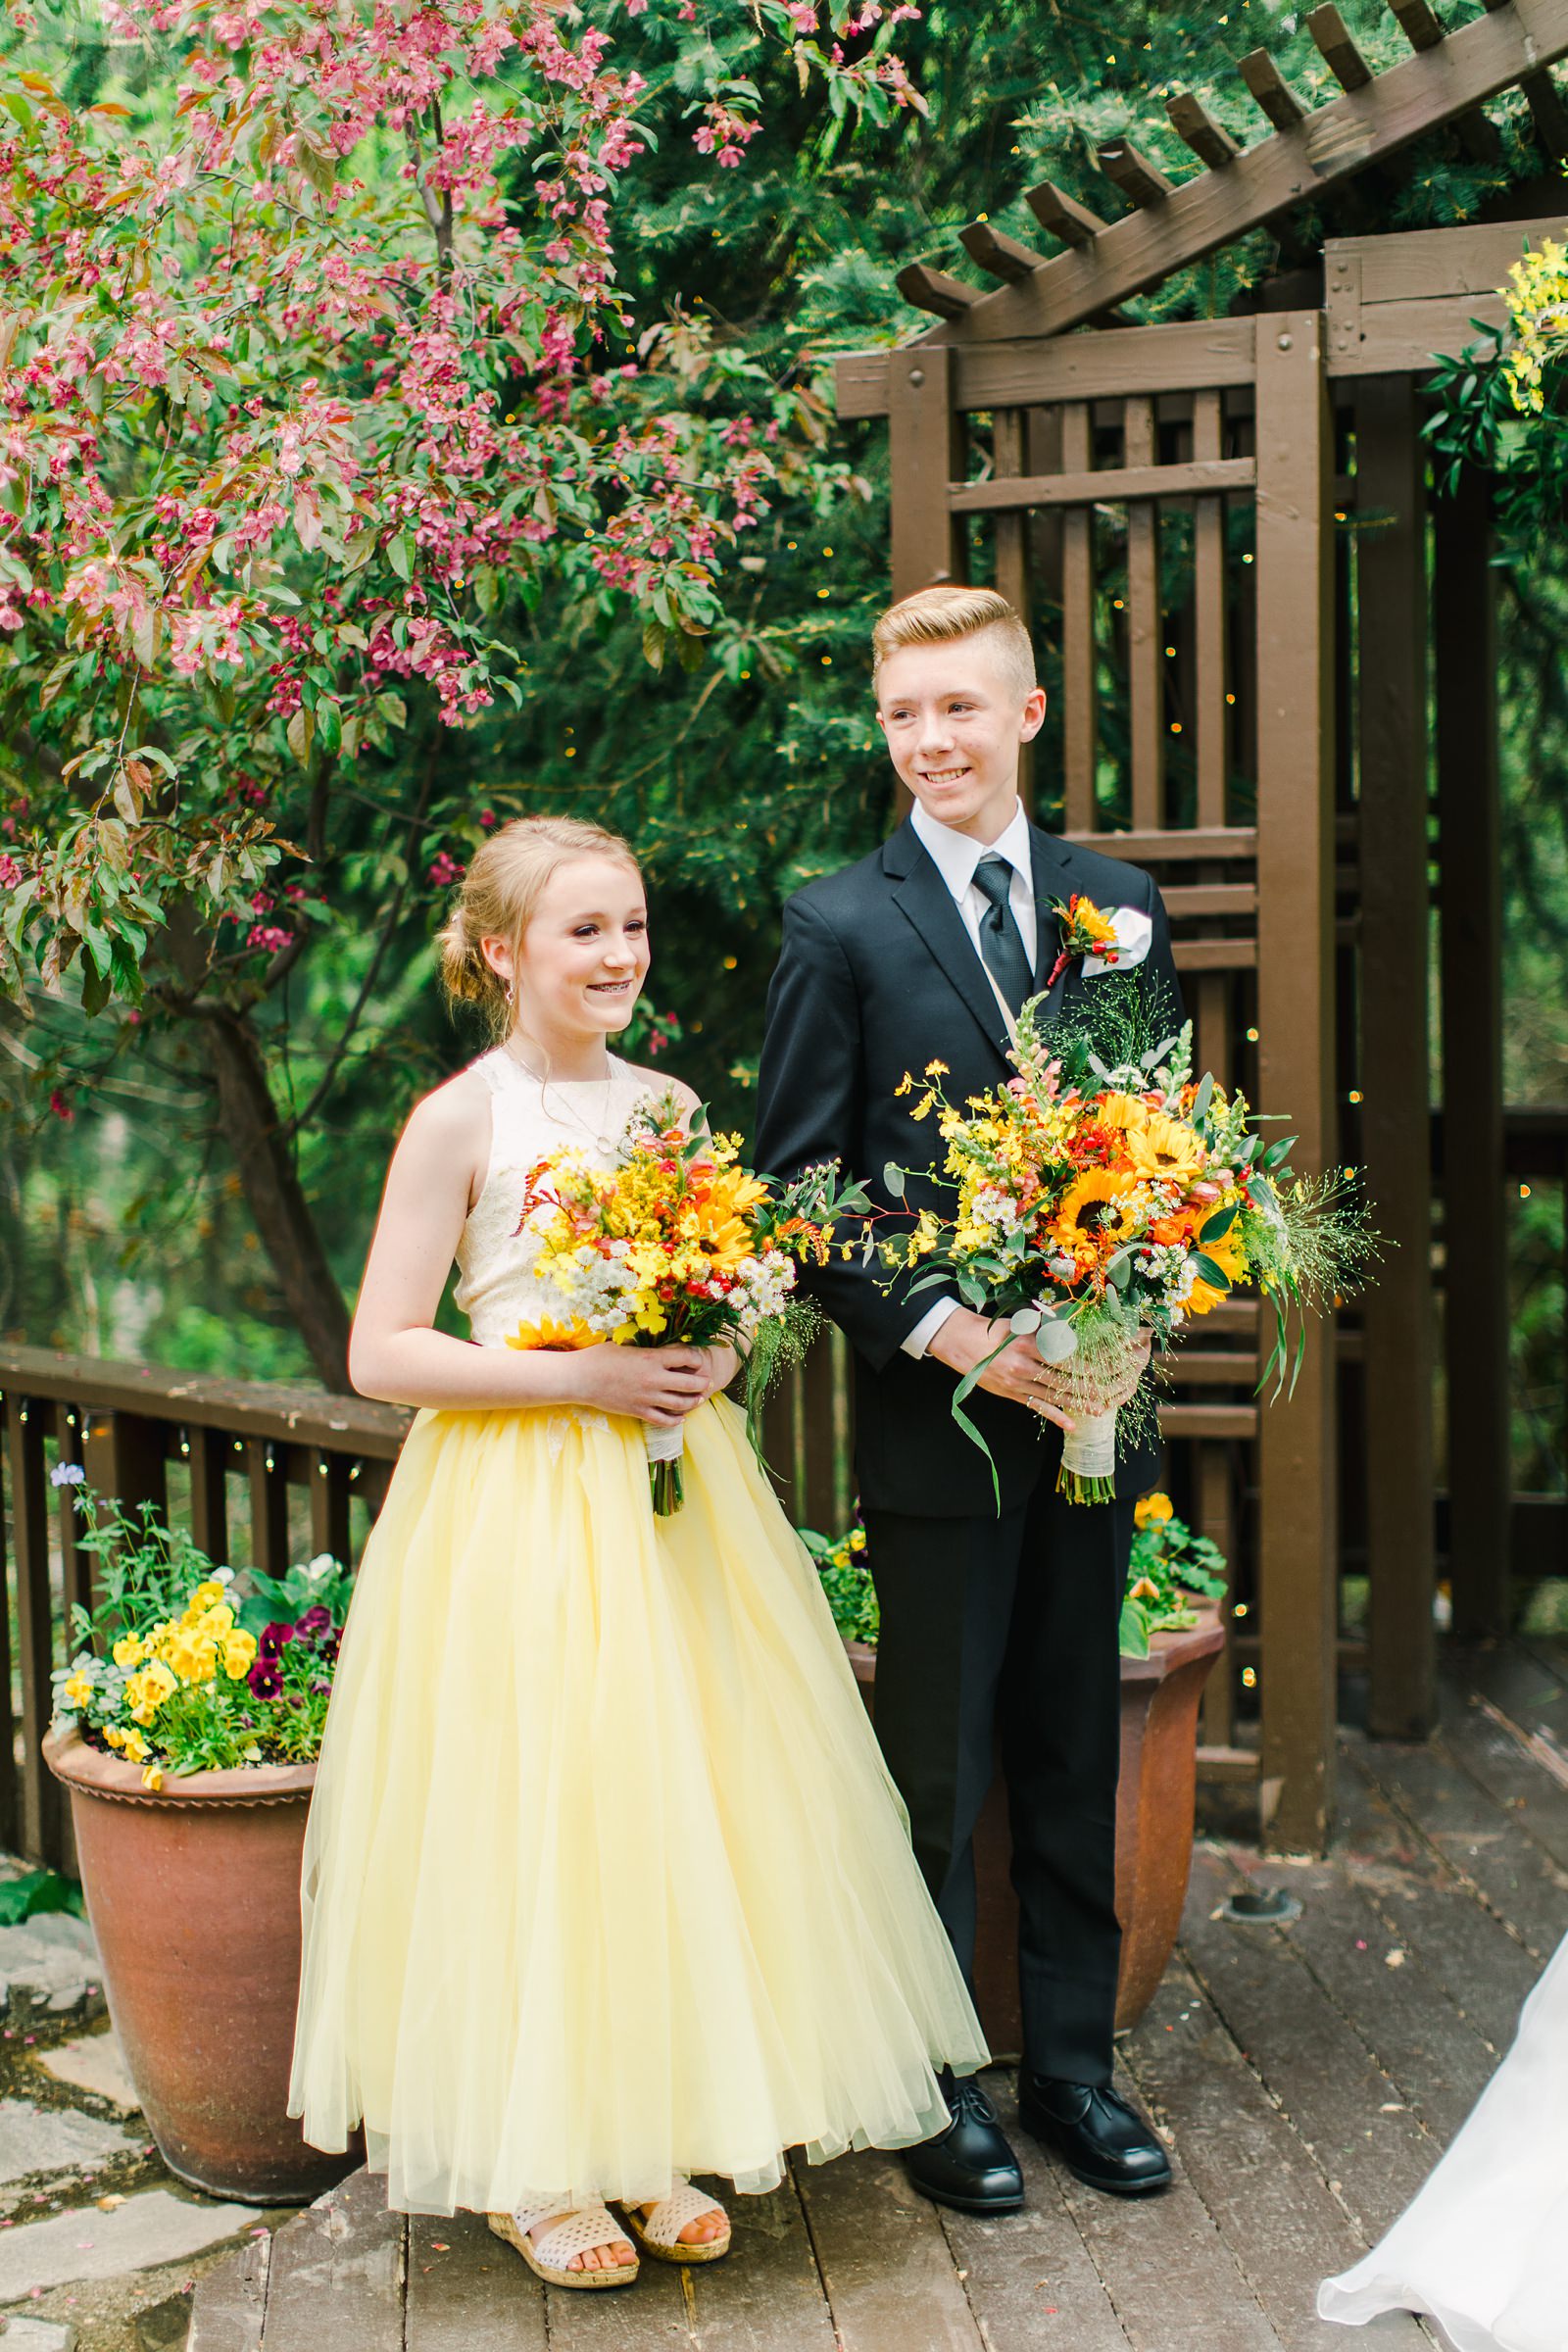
(664,1444)
(1089,1449)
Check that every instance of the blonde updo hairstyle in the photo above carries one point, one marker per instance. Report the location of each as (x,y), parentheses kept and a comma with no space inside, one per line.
(499,894)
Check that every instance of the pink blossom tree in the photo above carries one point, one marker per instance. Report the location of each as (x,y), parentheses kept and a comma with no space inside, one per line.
(313,359)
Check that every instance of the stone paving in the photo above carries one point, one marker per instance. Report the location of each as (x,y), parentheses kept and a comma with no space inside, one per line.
(99,2246)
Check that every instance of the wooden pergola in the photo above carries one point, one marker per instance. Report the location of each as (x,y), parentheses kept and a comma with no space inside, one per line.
(1247,605)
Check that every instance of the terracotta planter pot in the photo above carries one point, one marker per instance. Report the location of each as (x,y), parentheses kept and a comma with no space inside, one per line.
(1154,1801)
(193,1892)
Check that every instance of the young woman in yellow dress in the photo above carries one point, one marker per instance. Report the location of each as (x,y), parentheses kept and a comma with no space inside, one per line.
(606,1882)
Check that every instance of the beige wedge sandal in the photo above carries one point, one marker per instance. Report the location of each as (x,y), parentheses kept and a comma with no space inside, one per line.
(578,2231)
(659,2232)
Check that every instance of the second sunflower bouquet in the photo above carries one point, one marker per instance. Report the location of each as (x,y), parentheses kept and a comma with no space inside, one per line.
(1105,1193)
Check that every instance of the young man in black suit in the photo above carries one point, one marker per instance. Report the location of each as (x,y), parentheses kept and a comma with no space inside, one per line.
(993,1623)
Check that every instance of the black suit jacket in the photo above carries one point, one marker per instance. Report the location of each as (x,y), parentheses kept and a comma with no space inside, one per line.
(878,975)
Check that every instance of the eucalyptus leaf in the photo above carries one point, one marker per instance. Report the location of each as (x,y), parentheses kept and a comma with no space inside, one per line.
(1056,1342)
(892,1179)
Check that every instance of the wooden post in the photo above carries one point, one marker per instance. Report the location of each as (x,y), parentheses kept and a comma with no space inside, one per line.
(1295,1053)
(330,1506)
(1475,1239)
(1145,633)
(268,1471)
(26,1424)
(925,449)
(1080,684)
(1395,1117)
(211,1452)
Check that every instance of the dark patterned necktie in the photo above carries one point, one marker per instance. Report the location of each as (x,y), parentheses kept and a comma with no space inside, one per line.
(1000,946)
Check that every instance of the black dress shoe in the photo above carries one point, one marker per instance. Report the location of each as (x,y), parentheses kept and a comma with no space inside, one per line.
(969,2166)
(1098,2137)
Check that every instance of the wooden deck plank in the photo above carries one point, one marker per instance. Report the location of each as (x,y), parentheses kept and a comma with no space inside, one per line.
(766,2295)
(467,2292)
(228,2306)
(1490,1733)
(1266,2195)
(1479,1964)
(1349,2113)
(337,2274)
(1172,2278)
(1029,2279)
(1477,1835)
(888,2273)
(1363,1939)
(654,2316)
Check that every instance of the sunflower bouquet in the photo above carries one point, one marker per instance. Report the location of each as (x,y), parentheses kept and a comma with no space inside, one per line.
(1106,1192)
(674,1243)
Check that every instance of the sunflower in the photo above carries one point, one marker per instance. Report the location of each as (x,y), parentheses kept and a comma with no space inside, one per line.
(547,1333)
(1122,1110)
(1164,1147)
(720,1225)
(1230,1256)
(1091,1209)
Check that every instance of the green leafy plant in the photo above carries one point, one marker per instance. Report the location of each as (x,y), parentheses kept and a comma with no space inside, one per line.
(184,1667)
(843,1565)
(1171,1567)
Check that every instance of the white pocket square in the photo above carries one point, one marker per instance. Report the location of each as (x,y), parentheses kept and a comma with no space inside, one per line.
(1133,931)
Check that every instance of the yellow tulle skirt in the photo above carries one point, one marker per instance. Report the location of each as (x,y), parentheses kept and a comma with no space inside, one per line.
(604,1879)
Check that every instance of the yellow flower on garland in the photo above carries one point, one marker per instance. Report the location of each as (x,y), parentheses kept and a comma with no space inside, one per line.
(547,1333)
(1093,1208)
(1162,1146)
(1230,1256)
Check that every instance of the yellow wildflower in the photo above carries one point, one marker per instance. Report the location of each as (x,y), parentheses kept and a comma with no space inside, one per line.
(1153,1510)
(924,1108)
(936,1069)
(904,1085)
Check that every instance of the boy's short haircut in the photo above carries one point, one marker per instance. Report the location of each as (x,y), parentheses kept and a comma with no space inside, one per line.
(939,616)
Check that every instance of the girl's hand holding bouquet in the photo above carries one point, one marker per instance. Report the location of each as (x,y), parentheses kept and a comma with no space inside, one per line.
(675,1251)
(1105,1197)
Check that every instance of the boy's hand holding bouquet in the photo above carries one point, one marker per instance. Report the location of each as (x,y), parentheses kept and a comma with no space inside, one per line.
(1104,1197)
(674,1243)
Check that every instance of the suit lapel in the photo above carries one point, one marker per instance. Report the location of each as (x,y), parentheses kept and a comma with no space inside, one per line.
(927,903)
(1047,861)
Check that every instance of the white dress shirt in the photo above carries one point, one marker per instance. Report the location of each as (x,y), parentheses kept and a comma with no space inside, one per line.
(955,857)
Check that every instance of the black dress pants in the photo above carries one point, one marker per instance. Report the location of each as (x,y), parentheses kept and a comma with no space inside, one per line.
(1008,1627)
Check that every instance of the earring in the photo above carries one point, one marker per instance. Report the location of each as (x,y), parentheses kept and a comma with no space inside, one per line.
(509,995)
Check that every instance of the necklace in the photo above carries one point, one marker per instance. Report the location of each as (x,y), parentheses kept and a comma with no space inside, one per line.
(594,1129)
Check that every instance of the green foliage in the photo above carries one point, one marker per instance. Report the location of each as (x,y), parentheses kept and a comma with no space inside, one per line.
(1170,1567)
(33,1892)
(845,1571)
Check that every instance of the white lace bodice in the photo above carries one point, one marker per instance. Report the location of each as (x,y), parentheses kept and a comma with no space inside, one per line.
(528,1121)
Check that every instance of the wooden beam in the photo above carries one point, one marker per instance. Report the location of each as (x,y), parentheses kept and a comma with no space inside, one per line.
(1547,113)
(1080,665)
(999,253)
(1398,1320)
(1476,1316)
(1189,842)
(1295,1018)
(1192,122)
(1140,181)
(1421,26)
(1108,483)
(1425,90)
(933,290)
(1337,49)
(1186,355)
(925,447)
(1063,214)
(1269,87)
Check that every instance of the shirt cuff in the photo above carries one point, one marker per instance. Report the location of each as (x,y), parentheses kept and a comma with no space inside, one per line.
(918,1341)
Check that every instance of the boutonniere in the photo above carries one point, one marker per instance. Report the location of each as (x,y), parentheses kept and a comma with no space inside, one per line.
(1110,939)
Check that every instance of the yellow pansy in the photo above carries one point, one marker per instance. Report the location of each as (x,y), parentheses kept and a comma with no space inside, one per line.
(133,1744)
(239,1655)
(152,1777)
(128,1650)
(78,1690)
(1153,1510)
